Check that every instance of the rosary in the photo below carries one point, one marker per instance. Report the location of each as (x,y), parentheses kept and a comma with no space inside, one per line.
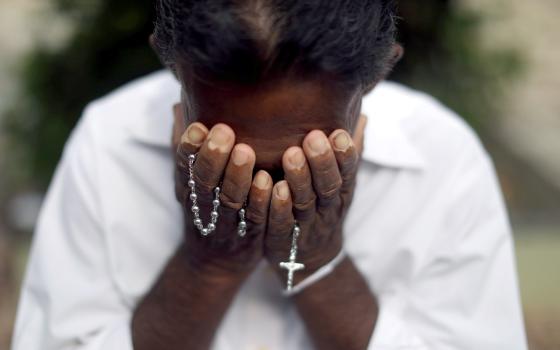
(291,265)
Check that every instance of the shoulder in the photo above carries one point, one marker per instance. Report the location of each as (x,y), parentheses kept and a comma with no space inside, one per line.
(138,111)
(141,95)
(122,143)
(439,137)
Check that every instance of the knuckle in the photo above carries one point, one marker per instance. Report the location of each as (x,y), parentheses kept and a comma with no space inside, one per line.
(258,202)
(348,177)
(230,202)
(256,216)
(348,182)
(301,186)
(235,188)
(203,185)
(348,168)
(205,173)
(279,218)
(306,205)
(279,221)
(322,166)
(204,180)
(328,200)
(304,211)
(331,190)
(257,210)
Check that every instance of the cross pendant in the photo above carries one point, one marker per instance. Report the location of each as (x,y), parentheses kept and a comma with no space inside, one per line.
(292,266)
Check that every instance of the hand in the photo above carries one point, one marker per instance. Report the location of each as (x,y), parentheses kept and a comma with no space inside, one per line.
(317,191)
(219,160)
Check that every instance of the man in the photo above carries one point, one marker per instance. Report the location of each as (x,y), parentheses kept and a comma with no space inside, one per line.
(272,234)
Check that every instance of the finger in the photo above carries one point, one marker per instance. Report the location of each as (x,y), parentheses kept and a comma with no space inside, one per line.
(280,217)
(258,203)
(238,177)
(324,168)
(347,158)
(192,139)
(208,169)
(359,133)
(212,159)
(185,142)
(298,175)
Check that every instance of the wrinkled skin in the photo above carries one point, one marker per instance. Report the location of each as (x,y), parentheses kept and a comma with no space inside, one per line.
(289,157)
(251,139)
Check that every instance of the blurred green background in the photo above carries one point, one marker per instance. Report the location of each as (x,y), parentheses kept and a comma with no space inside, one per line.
(492,62)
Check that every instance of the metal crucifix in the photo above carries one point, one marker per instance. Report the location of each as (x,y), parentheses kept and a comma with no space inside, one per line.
(292,266)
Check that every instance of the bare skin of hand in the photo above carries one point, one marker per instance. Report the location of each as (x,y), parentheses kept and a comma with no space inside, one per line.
(318,190)
(319,186)
(187,303)
(339,311)
(221,162)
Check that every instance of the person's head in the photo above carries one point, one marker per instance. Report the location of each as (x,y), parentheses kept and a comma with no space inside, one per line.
(274,70)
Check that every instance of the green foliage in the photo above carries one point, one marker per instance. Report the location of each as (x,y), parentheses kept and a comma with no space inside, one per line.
(444,58)
(110,47)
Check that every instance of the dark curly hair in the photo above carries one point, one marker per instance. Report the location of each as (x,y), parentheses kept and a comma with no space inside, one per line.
(247,40)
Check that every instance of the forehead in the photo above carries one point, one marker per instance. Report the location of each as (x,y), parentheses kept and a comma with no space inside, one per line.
(269,117)
(287,99)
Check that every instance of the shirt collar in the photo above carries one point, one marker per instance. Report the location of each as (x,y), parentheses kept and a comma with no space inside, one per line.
(385,141)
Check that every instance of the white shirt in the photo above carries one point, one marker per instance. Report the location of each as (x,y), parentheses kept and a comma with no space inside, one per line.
(427,229)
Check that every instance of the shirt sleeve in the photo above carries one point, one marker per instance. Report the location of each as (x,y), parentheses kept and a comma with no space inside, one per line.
(69,299)
(464,295)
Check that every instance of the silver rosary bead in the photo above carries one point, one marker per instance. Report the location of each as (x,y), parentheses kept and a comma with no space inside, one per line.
(242,226)
(204,231)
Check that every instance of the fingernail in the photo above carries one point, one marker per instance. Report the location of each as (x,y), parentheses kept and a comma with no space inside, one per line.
(218,138)
(194,135)
(282,191)
(342,141)
(239,157)
(297,160)
(261,180)
(318,145)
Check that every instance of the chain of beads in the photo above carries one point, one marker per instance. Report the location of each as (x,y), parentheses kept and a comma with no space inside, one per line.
(205,231)
(242,226)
